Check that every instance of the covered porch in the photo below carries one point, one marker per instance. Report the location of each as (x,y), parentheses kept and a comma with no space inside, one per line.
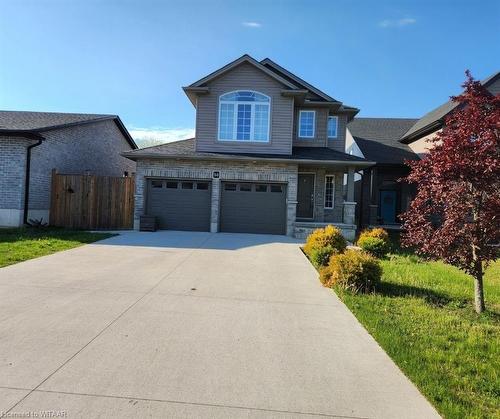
(382,197)
(325,195)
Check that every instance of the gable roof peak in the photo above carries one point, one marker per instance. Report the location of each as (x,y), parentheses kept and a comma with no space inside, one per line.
(244,58)
(281,70)
(433,120)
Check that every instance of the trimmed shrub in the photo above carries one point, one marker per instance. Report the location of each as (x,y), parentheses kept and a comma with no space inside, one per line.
(375,242)
(323,237)
(378,232)
(321,256)
(353,270)
(374,246)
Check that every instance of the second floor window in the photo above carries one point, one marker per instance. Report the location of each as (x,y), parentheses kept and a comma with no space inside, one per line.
(306,124)
(332,126)
(244,116)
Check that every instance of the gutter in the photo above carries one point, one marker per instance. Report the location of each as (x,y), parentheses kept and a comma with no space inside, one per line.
(422,132)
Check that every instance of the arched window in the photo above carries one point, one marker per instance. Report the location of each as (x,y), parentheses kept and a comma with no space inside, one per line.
(244,116)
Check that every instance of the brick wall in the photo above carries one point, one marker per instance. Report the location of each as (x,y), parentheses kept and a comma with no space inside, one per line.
(189,169)
(12,169)
(92,147)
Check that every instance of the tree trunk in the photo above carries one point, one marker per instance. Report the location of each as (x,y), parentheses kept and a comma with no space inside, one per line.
(478,291)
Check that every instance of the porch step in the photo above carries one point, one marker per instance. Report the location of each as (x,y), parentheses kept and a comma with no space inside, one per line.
(303,229)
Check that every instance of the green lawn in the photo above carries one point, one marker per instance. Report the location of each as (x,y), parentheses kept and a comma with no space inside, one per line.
(17,245)
(423,317)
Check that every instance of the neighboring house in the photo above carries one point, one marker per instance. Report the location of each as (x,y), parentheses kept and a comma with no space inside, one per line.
(34,143)
(425,128)
(381,197)
(267,157)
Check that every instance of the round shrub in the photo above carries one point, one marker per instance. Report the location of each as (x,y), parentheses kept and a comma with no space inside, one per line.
(378,232)
(353,270)
(374,242)
(321,256)
(323,237)
(374,246)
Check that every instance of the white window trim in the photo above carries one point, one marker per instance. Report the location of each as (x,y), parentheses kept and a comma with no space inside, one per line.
(336,118)
(235,118)
(333,192)
(300,123)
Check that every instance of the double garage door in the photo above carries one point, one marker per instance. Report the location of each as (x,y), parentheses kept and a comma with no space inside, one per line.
(244,207)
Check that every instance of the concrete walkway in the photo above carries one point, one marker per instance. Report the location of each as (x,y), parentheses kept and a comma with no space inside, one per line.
(189,325)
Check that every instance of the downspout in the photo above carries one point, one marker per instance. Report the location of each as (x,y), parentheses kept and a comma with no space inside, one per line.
(27,176)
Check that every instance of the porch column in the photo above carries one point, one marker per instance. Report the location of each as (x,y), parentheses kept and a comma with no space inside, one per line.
(214,206)
(373,208)
(291,204)
(350,184)
(319,199)
(349,204)
(139,196)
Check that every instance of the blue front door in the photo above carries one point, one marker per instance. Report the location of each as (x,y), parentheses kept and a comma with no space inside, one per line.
(388,207)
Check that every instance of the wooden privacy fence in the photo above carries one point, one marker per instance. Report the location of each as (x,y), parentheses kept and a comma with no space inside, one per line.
(92,202)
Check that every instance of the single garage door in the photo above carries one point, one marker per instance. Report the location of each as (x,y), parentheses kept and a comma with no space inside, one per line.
(253,208)
(180,204)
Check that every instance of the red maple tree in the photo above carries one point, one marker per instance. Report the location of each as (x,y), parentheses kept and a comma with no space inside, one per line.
(455,215)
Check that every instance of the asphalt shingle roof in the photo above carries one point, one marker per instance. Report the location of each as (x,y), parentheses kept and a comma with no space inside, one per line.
(437,115)
(378,139)
(24,123)
(186,149)
(24,120)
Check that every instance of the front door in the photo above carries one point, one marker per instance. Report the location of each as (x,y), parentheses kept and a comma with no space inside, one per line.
(388,207)
(305,195)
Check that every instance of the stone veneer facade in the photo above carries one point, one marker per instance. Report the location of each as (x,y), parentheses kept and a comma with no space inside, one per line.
(231,170)
(244,171)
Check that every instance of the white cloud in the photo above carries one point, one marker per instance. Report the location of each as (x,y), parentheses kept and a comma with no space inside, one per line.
(397,23)
(145,137)
(252,24)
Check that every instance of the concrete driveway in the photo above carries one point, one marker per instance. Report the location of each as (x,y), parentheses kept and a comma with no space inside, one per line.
(189,325)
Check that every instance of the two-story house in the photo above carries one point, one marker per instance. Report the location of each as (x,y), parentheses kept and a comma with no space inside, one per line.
(268,157)
(380,193)
(424,130)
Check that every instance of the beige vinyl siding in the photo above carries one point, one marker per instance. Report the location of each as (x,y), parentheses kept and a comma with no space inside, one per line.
(319,139)
(320,131)
(422,145)
(339,142)
(244,77)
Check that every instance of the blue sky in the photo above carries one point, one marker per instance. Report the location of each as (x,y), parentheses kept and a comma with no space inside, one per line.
(388,58)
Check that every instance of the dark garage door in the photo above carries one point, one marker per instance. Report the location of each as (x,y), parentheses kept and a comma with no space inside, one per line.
(253,208)
(180,204)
